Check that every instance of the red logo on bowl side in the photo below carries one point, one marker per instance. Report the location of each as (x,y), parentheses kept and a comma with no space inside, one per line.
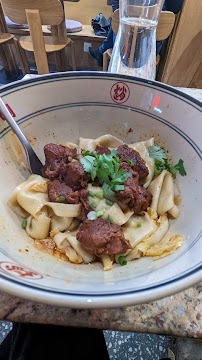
(120,92)
(11,111)
(19,271)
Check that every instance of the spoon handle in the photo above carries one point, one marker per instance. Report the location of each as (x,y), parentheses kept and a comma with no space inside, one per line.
(33,160)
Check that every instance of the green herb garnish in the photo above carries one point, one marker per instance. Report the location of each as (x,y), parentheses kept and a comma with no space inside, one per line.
(62,198)
(119,187)
(24,224)
(139,224)
(99,213)
(48,182)
(93,205)
(109,202)
(122,260)
(99,195)
(92,194)
(106,168)
(110,219)
(87,152)
(178,167)
(161,161)
(130,162)
(108,190)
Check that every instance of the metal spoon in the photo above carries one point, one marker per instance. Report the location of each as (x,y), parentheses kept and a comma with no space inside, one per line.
(33,160)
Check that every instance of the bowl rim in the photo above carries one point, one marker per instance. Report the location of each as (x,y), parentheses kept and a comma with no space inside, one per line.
(16,288)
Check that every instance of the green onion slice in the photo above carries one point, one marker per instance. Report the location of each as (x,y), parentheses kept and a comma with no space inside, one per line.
(119,187)
(110,219)
(99,213)
(139,224)
(92,194)
(109,202)
(99,195)
(24,224)
(62,198)
(122,260)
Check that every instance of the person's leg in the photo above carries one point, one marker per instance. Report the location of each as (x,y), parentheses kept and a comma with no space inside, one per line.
(48,342)
(107,44)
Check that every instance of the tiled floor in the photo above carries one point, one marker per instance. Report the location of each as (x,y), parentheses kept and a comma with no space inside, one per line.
(134,346)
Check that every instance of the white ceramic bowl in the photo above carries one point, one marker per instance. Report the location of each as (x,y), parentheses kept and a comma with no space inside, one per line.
(60,108)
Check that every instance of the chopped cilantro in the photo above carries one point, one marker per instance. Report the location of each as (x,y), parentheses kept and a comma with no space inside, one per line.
(161,163)
(87,152)
(178,167)
(106,168)
(107,189)
(157,153)
(114,152)
(87,162)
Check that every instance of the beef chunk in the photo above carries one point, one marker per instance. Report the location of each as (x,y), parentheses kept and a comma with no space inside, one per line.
(100,237)
(75,176)
(57,156)
(102,150)
(130,154)
(134,195)
(85,207)
(57,189)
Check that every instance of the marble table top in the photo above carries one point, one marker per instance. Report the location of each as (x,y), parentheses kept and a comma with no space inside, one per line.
(179,315)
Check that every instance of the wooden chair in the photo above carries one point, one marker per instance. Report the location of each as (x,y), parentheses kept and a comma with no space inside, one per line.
(164,28)
(36,13)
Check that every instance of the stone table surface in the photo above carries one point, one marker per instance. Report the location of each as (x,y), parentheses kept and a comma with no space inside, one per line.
(179,315)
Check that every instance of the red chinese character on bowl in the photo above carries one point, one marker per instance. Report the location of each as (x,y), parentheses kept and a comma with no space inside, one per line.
(19,271)
(120,92)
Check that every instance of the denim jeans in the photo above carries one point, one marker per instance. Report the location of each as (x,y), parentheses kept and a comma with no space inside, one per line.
(108,42)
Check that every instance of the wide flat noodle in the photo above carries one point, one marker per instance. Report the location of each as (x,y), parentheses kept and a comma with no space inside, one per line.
(109,141)
(106,262)
(64,210)
(27,200)
(166,246)
(162,189)
(135,234)
(60,223)
(23,200)
(72,145)
(30,200)
(142,148)
(140,249)
(158,235)
(87,258)
(87,144)
(117,215)
(137,252)
(38,227)
(166,198)
(63,244)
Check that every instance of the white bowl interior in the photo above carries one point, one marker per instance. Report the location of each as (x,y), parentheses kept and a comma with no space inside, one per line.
(63,108)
